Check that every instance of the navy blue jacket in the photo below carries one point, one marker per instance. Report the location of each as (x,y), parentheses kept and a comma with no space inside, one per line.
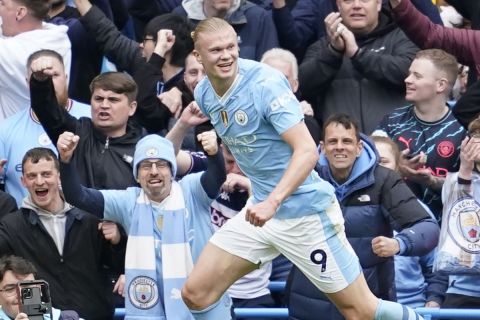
(253,25)
(374,201)
(303,25)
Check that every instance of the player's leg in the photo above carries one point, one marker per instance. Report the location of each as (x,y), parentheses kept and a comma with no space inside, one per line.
(318,246)
(233,251)
(214,272)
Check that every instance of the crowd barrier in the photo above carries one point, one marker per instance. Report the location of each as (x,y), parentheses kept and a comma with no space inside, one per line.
(282,313)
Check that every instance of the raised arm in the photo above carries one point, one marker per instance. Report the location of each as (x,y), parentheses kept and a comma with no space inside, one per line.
(54,118)
(462,43)
(87,199)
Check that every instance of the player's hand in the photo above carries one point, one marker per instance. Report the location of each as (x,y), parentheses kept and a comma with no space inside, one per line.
(259,213)
(110,231)
(172,99)
(66,144)
(120,286)
(236,181)
(21,316)
(385,247)
(42,68)
(165,41)
(208,140)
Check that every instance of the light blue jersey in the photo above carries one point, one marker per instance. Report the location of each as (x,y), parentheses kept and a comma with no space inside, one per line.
(119,206)
(250,118)
(20,133)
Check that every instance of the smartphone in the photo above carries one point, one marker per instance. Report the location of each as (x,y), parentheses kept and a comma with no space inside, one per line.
(34,299)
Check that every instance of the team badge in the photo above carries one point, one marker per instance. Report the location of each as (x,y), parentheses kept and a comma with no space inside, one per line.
(464,224)
(241,117)
(224,116)
(44,140)
(445,149)
(143,292)
(152,152)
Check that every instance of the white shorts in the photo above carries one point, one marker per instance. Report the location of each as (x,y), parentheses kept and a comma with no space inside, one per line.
(315,243)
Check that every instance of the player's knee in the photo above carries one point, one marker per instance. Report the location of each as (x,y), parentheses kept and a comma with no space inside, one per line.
(195,298)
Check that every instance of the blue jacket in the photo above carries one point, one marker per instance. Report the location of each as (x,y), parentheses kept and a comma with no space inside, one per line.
(374,201)
(303,25)
(253,24)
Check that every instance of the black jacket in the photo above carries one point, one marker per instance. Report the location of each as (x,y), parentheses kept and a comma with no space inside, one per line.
(102,162)
(77,278)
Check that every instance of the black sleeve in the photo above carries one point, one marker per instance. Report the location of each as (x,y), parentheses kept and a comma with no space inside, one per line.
(151,113)
(114,255)
(7,204)
(87,199)
(467,107)
(437,284)
(402,205)
(215,176)
(53,117)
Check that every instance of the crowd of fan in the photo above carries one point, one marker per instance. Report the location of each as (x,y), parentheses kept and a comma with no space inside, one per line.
(388,92)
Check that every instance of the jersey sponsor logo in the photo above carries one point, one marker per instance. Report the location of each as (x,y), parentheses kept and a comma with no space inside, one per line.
(143,292)
(445,149)
(282,100)
(224,116)
(241,117)
(44,140)
(464,224)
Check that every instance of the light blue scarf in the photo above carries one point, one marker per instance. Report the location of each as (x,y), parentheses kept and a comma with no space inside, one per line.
(143,297)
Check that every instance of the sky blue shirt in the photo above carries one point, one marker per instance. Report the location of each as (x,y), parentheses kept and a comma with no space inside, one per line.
(20,133)
(250,118)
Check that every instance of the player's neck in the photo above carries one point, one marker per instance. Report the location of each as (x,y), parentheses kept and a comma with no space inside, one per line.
(221,86)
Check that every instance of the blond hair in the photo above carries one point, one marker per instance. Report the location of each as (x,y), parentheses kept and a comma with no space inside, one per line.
(209,25)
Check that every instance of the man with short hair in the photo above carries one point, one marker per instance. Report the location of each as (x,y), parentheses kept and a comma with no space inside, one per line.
(375,201)
(105,152)
(14,269)
(291,211)
(23,32)
(426,132)
(69,247)
(23,131)
(358,68)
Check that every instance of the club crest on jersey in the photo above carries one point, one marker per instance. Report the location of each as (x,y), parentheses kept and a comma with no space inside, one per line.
(143,292)
(445,149)
(151,152)
(241,117)
(464,224)
(224,116)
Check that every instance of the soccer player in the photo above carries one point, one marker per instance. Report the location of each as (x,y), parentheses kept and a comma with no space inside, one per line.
(291,211)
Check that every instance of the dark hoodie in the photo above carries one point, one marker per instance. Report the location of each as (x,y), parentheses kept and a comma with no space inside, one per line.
(101,162)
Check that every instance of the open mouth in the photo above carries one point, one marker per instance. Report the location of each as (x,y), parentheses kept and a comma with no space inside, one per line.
(225,66)
(340,156)
(103,115)
(41,192)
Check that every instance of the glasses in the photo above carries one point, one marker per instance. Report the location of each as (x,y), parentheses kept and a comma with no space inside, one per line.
(148,165)
(147,38)
(9,290)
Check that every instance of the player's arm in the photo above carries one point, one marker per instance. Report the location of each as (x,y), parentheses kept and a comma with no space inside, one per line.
(304,158)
